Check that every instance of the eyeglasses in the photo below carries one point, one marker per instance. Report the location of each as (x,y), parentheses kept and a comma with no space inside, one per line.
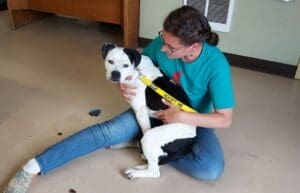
(169,47)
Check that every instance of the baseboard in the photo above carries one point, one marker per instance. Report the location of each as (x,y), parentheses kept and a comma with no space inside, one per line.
(260,65)
(250,63)
(143,42)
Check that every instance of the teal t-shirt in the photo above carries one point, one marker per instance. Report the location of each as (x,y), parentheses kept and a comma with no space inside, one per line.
(206,81)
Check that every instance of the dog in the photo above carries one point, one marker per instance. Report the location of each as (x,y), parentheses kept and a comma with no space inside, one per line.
(160,144)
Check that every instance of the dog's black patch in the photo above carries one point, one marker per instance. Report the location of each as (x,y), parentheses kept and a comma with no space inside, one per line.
(153,100)
(134,56)
(106,47)
(176,150)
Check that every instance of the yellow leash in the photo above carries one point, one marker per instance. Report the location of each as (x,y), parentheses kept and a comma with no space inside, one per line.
(165,95)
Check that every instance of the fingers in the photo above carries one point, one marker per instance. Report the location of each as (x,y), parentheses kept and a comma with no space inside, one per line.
(168,115)
(160,115)
(166,102)
(127,91)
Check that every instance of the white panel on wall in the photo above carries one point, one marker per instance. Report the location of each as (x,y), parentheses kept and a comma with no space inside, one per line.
(218,12)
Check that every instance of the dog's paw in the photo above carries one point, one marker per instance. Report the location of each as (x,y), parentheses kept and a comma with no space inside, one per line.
(141,172)
(130,173)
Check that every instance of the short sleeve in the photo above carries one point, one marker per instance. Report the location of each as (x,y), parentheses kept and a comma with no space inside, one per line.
(221,86)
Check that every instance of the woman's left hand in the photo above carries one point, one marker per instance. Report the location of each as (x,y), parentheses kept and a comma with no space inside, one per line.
(170,115)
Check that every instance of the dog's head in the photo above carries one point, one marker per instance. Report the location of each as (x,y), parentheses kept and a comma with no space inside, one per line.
(120,63)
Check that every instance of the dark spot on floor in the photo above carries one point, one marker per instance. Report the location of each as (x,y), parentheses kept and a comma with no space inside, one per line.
(72,191)
(94,112)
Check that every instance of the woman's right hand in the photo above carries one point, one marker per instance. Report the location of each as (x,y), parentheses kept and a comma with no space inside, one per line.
(128,91)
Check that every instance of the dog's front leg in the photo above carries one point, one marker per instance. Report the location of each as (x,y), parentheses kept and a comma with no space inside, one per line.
(143,118)
(140,108)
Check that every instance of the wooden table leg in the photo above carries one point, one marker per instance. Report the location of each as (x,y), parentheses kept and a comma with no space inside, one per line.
(131,15)
(20,14)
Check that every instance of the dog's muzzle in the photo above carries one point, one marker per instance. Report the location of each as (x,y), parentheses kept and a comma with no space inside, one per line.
(115,76)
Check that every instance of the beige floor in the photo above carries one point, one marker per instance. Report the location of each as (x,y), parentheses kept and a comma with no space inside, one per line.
(51,75)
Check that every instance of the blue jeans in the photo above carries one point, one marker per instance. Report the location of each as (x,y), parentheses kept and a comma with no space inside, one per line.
(205,161)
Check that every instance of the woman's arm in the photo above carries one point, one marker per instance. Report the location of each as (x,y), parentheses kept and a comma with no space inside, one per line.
(220,118)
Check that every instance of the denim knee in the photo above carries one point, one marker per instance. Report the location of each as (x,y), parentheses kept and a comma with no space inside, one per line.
(206,159)
(210,173)
(201,169)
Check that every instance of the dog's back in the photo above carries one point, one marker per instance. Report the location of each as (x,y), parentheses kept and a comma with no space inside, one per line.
(154,100)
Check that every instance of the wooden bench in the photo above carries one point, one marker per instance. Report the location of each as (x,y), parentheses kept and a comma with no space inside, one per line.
(121,12)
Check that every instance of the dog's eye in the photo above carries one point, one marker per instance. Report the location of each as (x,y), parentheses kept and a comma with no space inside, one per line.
(110,61)
(125,65)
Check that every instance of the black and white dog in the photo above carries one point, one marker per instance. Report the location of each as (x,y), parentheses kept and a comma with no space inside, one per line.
(160,144)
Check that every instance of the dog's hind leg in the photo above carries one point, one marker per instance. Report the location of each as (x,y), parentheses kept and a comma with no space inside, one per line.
(141,167)
(151,170)
(152,152)
(152,143)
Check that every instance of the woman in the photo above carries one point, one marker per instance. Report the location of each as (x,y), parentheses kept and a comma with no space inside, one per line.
(186,51)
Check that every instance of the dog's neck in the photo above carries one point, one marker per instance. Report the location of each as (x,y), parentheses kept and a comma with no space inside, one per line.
(132,78)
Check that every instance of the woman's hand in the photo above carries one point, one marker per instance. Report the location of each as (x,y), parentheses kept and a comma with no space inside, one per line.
(128,91)
(171,114)
(219,118)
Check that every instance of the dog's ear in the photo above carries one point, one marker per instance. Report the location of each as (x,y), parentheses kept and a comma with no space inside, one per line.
(106,47)
(134,56)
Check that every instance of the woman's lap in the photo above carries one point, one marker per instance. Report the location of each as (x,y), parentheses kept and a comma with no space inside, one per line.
(205,161)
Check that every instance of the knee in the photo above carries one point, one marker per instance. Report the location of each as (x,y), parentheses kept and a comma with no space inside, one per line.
(210,173)
(151,145)
(213,174)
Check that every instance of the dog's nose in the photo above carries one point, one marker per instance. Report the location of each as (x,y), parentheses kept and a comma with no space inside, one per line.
(115,76)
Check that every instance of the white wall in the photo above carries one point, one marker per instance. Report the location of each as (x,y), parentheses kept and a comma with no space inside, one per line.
(264,29)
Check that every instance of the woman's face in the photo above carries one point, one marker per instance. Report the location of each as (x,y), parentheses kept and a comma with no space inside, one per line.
(172,46)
